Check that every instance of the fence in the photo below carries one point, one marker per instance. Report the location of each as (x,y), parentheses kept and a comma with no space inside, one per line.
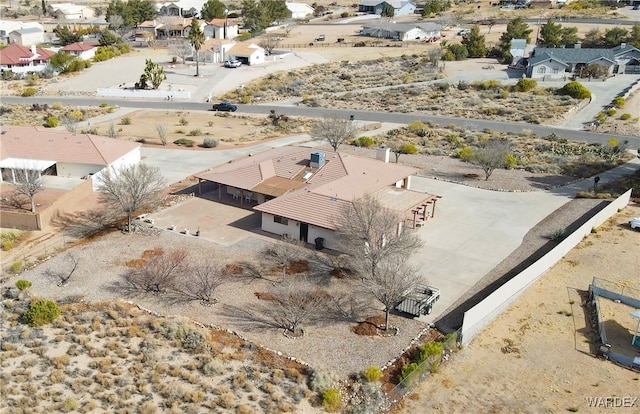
(29,254)
(479,316)
(344,44)
(422,371)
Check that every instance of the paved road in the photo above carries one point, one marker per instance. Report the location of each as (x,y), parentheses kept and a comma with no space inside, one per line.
(391,117)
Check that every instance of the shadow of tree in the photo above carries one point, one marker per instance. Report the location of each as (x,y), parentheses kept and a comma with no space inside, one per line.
(85,223)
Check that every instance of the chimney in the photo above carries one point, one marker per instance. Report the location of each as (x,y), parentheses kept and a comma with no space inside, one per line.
(382,154)
(623,45)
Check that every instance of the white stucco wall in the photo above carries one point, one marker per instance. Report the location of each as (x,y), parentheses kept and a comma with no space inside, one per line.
(292,229)
(328,236)
(70,170)
(130,158)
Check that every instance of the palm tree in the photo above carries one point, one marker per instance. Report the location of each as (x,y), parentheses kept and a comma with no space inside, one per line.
(196,38)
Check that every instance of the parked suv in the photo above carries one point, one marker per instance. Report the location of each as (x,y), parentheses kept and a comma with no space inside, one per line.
(224,106)
(232,63)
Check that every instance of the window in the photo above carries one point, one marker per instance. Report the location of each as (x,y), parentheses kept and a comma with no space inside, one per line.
(281,220)
(542,69)
(555,70)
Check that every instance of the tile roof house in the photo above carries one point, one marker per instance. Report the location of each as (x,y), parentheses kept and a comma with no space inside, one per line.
(61,153)
(83,51)
(20,59)
(166,27)
(403,31)
(557,63)
(182,8)
(215,29)
(70,11)
(400,7)
(299,10)
(8,26)
(301,192)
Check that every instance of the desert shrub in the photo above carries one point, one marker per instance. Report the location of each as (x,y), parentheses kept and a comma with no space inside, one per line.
(41,312)
(17,266)
(465,154)
(103,105)
(575,90)
(210,143)
(320,381)
(511,161)
(183,121)
(557,235)
(619,102)
(331,399)
(184,141)
(7,245)
(463,86)
(194,132)
(51,122)
(125,121)
(372,373)
(23,284)
(525,85)
(244,36)
(366,142)
(431,350)
(406,370)
(29,92)
(625,117)
(611,112)
(245,99)
(419,128)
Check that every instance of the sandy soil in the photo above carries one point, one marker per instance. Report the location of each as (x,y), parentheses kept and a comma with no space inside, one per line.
(542,341)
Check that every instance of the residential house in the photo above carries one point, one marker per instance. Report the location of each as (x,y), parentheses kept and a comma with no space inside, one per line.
(221,29)
(426,31)
(28,36)
(182,8)
(247,53)
(400,7)
(20,59)
(62,153)
(8,26)
(70,11)
(300,11)
(84,51)
(215,50)
(557,63)
(166,27)
(302,192)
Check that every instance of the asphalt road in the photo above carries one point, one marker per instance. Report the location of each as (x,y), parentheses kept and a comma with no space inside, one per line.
(392,117)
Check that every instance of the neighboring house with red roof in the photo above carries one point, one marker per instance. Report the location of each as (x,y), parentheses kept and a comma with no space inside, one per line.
(302,192)
(21,59)
(84,51)
(221,29)
(62,153)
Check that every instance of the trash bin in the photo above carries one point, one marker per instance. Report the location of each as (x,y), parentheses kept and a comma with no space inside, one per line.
(319,243)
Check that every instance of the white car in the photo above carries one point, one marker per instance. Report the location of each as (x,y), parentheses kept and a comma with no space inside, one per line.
(634,223)
(232,63)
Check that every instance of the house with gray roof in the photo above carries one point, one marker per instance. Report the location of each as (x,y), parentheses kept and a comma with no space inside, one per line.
(558,63)
(302,192)
(400,7)
(383,29)
(27,36)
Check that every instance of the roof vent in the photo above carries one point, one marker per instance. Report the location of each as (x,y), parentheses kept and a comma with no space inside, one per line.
(307,175)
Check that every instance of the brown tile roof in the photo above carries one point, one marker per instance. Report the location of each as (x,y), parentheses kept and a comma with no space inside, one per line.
(61,146)
(244,49)
(77,47)
(280,173)
(16,54)
(220,22)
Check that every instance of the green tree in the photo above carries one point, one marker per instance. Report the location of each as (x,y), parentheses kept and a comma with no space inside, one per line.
(61,61)
(593,38)
(516,29)
(614,36)
(66,36)
(387,10)
(550,34)
(634,36)
(260,15)
(456,51)
(570,36)
(108,38)
(133,12)
(196,38)
(153,73)
(475,43)
(435,7)
(213,9)
(41,312)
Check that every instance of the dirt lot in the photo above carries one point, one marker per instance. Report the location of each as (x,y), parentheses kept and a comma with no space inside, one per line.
(541,341)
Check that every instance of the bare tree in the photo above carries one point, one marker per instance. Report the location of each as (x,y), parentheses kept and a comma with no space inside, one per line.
(275,118)
(293,304)
(285,252)
(130,188)
(158,273)
(268,43)
(334,129)
(28,182)
(181,49)
(398,148)
(116,23)
(111,130)
(201,283)
(162,131)
(392,282)
(288,28)
(63,277)
(70,123)
(491,155)
(371,235)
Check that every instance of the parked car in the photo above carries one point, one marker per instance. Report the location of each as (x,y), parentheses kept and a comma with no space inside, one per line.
(232,63)
(320,38)
(225,106)
(634,223)
(464,32)
(636,7)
